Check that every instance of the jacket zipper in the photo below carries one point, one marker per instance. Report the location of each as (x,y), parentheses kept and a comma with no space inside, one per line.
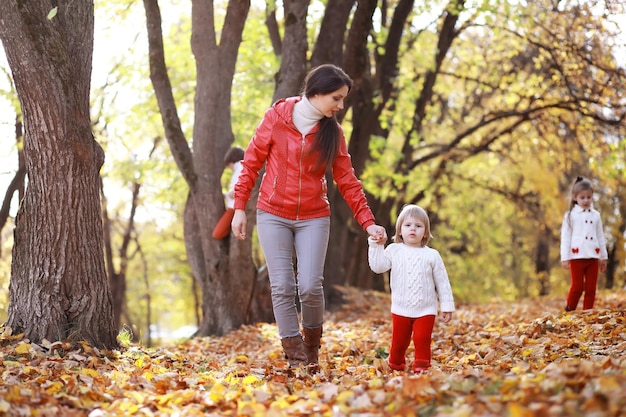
(300,179)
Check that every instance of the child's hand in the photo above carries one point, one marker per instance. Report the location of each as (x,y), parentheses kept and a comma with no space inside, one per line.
(603,264)
(377,233)
(565,264)
(446,316)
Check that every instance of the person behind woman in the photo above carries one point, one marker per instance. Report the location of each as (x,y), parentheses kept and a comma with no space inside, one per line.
(232,160)
(418,279)
(583,246)
(299,139)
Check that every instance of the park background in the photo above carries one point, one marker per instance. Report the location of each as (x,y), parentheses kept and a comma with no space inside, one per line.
(483,112)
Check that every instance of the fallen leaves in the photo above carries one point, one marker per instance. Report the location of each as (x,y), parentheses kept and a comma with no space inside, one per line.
(512,359)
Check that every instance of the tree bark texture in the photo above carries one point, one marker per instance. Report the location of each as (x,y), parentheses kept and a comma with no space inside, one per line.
(58,287)
(293,63)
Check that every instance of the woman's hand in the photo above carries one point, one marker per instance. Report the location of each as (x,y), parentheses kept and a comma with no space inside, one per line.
(239,223)
(377,233)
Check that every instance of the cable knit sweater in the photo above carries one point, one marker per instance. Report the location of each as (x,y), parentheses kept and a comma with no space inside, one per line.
(418,278)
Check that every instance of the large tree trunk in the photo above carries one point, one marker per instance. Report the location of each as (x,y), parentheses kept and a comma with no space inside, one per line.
(58,287)
(347,263)
(293,65)
(224,269)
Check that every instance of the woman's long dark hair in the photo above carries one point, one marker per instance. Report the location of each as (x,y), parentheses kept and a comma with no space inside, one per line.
(325,79)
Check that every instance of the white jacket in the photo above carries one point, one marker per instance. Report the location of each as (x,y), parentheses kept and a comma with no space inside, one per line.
(418,278)
(230,195)
(582,236)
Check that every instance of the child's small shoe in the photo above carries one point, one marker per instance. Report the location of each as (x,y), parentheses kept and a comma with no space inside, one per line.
(395,367)
(419,371)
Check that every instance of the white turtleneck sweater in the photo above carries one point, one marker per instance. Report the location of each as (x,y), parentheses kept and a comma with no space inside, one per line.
(306,115)
(418,278)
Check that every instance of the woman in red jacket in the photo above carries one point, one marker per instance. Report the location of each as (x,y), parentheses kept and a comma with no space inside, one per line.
(298,141)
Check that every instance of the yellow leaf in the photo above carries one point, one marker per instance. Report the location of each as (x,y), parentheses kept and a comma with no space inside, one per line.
(89,372)
(516,410)
(345,396)
(251,380)
(52,13)
(54,387)
(242,359)
(217,393)
(23,348)
(4,406)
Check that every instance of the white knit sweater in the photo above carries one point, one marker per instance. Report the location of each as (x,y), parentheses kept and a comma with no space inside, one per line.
(418,278)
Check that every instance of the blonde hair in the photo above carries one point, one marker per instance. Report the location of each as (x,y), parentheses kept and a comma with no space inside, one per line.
(416,212)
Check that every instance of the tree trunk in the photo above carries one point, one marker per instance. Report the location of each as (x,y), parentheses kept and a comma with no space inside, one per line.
(17,184)
(347,260)
(542,262)
(293,65)
(224,268)
(58,287)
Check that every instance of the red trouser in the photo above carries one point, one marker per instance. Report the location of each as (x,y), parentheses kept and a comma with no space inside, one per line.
(421,328)
(222,228)
(584,274)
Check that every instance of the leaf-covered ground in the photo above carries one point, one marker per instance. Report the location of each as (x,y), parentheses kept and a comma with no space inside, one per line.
(499,359)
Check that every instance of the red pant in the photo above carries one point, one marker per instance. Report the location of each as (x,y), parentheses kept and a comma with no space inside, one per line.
(403,328)
(584,274)
(222,228)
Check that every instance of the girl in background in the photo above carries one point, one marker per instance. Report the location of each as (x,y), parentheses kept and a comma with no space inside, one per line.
(232,160)
(418,281)
(583,247)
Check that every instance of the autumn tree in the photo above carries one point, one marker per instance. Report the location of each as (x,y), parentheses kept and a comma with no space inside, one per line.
(428,101)
(224,268)
(471,87)
(58,287)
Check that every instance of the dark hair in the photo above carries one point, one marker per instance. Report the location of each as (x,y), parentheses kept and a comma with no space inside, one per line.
(325,79)
(234,154)
(581,184)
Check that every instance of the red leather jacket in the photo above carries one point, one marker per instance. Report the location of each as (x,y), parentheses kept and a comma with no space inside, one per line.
(292,187)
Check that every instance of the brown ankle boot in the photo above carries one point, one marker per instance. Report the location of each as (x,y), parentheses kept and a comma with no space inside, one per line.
(294,351)
(312,344)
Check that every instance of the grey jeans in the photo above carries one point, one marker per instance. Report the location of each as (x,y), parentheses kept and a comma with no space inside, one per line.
(278,238)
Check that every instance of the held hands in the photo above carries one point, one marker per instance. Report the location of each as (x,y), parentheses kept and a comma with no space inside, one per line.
(239,223)
(377,233)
